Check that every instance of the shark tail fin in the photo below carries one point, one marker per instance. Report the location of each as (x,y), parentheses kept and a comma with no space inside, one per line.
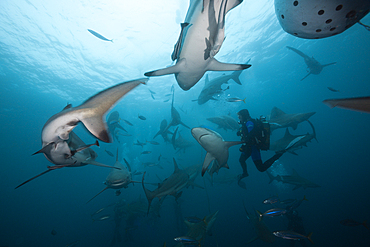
(309,237)
(149,194)
(94,109)
(97,195)
(235,76)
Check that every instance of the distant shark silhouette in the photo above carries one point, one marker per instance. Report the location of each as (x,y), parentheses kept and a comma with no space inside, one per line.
(280,119)
(225,122)
(180,143)
(118,178)
(175,117)
(293,179)
(113,123)
(214,144)
(84,157)
(213,87)
(313,65)
(290,142)
(361,104)
(170,186)
(91,113)
(201,37)
(263,232)
(163,131)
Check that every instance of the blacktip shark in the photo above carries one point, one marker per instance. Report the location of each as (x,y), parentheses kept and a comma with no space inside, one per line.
(214,144)
(118,178)
(91,113)
(294,179)
(361,104)
(313,65)
(290,142)
(213,87)
(83,157)
(175,117)
(280,119)
(170,186)
(201,37)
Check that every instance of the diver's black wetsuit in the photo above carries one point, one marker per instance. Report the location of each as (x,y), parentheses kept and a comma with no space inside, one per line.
(248,135)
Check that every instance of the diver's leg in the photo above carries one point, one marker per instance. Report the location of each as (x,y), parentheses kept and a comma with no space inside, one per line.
(246,153)
(266,165)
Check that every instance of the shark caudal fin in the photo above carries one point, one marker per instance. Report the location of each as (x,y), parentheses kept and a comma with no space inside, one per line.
(92,111)
(149,194)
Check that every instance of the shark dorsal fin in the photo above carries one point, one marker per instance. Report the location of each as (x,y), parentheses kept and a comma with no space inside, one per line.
(175,165)
(276,112)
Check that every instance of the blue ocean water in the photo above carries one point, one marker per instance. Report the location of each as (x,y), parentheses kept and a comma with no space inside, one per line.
(48,59)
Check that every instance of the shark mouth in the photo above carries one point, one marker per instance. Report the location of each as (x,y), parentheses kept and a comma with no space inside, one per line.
(200,137)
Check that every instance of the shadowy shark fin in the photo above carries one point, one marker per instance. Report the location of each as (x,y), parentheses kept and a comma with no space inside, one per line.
(306,76)
(97,195)
(94,163)
(42,173)
(127,164)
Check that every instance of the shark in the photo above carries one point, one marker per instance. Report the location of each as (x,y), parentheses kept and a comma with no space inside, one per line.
(263,232)
(84,157)
(170,186)
(361,104)
(180,143)
(313,65)
(118,178)
(294,179)
(91,113)
(280,119)
(175,117)
(225,122)
(113,123)
(213,87)
(214,144)
(201,37)
(199,230)
(162,132)
(290,142)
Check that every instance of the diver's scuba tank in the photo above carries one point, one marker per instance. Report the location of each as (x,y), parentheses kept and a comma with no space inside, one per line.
(264,143)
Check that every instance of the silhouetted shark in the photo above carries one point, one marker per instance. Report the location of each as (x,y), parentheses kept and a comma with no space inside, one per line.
(280,119)
(201,37)
(293,179)
(312,64)
(290,142)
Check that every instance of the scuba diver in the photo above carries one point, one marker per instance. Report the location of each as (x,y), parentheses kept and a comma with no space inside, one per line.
(256,136)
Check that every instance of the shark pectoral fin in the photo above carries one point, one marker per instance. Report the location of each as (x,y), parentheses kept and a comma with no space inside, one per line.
(306,76)
(42,173)
(97,195)
(46,149)
(97,127)
(215,65)
(230,144)
(208,159)
(169,70)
